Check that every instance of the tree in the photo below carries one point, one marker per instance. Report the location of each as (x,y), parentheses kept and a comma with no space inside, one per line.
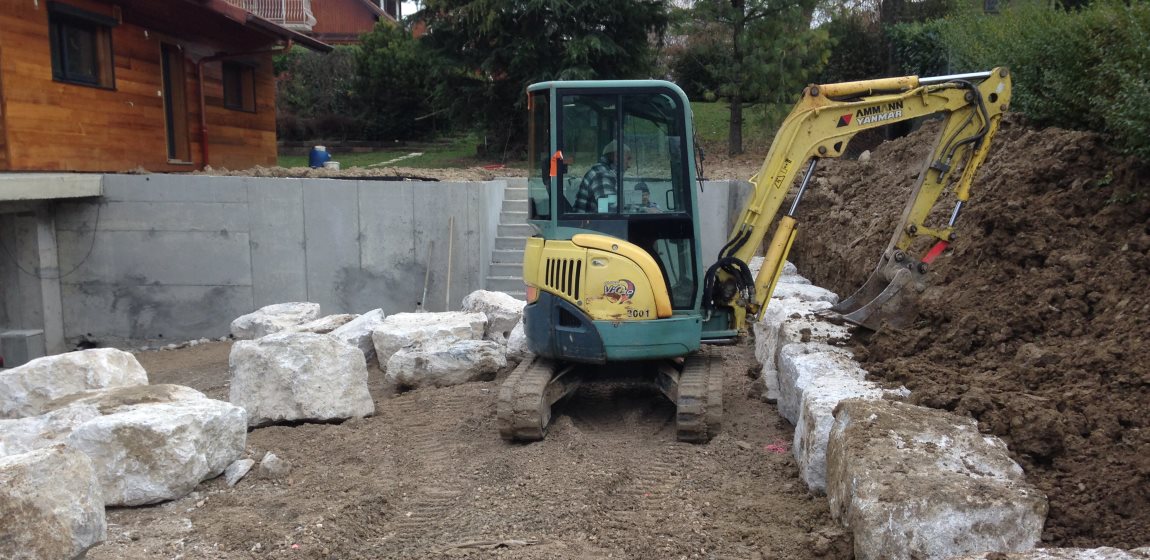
(397,77)
(314,94)
(773,51)
(499,47)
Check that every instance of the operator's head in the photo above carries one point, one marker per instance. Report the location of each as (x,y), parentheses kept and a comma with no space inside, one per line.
(644,190)
(609,152)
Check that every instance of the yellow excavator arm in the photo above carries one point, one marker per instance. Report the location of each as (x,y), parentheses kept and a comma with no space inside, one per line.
(820,126)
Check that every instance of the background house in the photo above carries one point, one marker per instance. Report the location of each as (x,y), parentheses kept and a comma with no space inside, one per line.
(117,85)
(330,21)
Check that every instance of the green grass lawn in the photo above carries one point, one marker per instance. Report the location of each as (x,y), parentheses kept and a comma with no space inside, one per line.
(449,153)
(711,122)
(713,119)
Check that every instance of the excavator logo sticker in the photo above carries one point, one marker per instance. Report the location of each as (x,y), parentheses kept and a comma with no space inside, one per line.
(619,291)
(879,113)
(845,120)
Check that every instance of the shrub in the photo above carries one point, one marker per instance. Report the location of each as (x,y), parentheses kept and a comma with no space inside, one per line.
(1085,69)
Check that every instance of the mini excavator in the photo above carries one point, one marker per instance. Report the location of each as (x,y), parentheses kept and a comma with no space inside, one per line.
(616,284)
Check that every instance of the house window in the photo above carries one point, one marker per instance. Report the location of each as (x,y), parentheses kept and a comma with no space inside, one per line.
(239,86)
(81,46)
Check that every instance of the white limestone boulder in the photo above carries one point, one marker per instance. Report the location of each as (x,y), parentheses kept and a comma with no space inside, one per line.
(25,389)
(152,452)
(517,348)
(299,377)
(357,332)
(324,325)
(402,329)
(1103,553)
(913,482)
(273,318)
(785,321)
(801,363)
(44,430)
(51,506)
(816,417)
(503,312)
(445,363)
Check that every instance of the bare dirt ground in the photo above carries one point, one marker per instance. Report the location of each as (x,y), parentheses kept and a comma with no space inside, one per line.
(429,477)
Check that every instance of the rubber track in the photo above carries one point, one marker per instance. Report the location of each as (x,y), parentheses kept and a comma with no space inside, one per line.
(522,415)
(699,411)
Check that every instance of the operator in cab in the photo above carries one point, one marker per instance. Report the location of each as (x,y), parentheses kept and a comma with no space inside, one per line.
(601,181)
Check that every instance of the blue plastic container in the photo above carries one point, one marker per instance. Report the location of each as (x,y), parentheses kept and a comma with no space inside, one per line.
(318,157)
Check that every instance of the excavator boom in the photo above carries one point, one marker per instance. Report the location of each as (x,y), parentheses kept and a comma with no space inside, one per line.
(820,126)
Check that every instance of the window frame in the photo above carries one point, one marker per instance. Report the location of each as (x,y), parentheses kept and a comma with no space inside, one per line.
(246,81)
(64,19)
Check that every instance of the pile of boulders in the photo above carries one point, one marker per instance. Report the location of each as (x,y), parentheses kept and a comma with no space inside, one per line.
(85,430)
(287,368)
(906,481)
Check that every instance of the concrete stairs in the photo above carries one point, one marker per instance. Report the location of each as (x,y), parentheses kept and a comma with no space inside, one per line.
(505,274)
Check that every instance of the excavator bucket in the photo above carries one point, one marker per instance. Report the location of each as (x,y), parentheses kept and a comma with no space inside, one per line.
(888,296)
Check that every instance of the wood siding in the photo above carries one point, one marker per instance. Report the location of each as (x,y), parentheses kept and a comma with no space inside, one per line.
(56,126)
(341,21)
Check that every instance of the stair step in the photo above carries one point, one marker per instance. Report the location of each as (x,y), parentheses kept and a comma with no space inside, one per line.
(501,256)
(510,243)
(514,205)
(515,193)
(513,218)
(505,269)
(520,231)
(504,283)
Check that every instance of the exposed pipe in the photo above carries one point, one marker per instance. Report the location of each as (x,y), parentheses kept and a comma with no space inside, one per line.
(203,102)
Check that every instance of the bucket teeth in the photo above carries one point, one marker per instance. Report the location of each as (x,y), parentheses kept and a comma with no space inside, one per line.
(888,297)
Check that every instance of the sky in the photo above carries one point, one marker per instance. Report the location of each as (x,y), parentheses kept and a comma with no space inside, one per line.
(410,8)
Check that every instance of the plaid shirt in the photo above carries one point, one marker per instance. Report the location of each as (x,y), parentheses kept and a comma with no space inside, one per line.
(597,183)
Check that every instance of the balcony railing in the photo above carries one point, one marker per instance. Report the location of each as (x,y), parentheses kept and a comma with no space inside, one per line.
(293,14)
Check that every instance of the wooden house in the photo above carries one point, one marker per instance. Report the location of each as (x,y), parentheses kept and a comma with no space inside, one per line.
(330,21)
(119,85)
(343,21)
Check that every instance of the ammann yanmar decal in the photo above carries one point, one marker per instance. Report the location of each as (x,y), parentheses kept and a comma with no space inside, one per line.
(619,291)
(869,115)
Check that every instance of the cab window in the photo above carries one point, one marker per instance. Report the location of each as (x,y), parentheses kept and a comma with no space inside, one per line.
(539,156)
(624,153)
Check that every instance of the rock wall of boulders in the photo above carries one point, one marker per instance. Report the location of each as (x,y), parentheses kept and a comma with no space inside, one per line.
(907,482)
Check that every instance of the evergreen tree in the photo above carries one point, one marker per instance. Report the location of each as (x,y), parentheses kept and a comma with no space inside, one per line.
(498,47)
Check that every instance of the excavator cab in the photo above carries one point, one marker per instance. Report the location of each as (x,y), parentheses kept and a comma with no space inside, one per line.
(613,272)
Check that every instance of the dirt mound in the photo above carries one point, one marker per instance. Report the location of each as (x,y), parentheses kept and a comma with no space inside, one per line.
(1035,318)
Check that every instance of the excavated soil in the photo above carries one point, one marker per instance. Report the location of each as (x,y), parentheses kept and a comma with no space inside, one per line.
(1036,320)
(429,477)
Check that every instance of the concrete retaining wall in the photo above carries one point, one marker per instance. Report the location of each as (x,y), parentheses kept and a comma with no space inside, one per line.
(177,257)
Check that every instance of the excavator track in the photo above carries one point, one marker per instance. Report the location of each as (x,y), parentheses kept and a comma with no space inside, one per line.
(526,396)
(699,401)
